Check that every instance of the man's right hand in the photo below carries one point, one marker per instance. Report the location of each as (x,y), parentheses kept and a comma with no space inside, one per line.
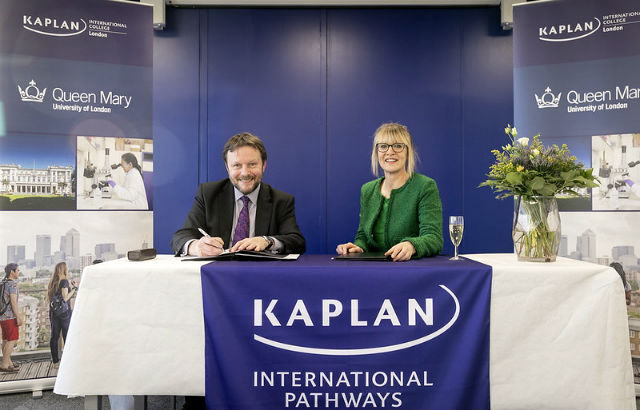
(206,246)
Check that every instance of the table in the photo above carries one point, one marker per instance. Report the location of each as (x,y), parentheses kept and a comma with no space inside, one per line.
(559,333)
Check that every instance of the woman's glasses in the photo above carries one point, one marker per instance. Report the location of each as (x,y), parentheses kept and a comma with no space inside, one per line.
(399,147)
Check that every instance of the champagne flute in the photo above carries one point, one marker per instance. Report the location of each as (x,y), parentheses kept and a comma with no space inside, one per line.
(456,227)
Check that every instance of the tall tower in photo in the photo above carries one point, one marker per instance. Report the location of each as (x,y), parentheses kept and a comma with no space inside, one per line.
(43,250)
(72,243)
(15,253)
(588,246)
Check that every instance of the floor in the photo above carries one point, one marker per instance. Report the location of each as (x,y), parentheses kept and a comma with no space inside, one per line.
(49,400)
(31,369)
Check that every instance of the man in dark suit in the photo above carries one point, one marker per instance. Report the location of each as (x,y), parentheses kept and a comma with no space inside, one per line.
(240,212)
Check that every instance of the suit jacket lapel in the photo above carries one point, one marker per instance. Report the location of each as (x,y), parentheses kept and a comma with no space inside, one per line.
(263,212)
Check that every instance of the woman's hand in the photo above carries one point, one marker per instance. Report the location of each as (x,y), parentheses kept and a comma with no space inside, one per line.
(348,247)
(402,251)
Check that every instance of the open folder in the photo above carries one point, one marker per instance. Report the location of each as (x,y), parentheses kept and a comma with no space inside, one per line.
(363,256)
(245,256)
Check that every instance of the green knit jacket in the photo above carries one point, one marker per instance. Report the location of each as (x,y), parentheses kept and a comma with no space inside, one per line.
(414,215)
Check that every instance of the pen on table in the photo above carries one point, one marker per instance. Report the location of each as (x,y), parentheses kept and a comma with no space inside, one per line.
(204,233)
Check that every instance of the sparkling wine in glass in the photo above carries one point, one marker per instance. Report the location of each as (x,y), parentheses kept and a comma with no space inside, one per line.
(456,227)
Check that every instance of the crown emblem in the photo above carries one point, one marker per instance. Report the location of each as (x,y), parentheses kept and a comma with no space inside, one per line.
(548,99)
(32,93)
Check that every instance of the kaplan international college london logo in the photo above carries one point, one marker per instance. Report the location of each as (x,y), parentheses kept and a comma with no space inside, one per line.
(548,99)
(569,31)
(32,93)
(53,26)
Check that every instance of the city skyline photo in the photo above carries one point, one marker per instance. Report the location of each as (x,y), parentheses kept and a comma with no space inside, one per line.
(127,229)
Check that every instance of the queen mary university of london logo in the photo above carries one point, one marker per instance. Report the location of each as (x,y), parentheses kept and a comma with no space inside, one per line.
(32,93)
(548,99)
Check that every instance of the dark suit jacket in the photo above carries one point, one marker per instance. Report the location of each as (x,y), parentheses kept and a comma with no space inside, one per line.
(213,207)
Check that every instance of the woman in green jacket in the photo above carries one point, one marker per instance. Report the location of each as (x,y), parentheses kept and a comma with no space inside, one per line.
(401,212)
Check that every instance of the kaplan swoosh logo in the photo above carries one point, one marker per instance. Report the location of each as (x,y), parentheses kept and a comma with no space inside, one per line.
(53,26)
(569,32)
(368,350)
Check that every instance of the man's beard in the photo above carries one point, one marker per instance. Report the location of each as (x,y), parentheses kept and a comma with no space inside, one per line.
(256,181)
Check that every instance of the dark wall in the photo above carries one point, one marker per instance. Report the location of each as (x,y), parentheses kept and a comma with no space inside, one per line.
(314,84)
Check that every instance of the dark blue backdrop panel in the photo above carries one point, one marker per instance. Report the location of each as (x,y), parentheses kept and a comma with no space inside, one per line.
(399,65)
(175,123)
(487,106)
(265,76)
(315,84)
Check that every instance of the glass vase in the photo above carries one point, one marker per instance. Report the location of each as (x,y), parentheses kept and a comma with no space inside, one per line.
(536,228)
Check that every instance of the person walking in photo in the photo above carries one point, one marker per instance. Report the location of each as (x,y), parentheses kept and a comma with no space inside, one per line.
(9,320)
(59,293)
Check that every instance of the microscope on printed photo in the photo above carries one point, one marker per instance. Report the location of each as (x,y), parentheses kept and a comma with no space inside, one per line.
(613,178)
(100,188)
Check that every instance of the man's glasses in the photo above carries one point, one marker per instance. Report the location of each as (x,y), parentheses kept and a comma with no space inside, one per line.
(397,148)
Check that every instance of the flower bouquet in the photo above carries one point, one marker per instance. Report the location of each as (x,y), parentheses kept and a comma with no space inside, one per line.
(534,175)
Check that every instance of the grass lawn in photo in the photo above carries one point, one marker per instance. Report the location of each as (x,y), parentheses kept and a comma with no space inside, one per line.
(20,202)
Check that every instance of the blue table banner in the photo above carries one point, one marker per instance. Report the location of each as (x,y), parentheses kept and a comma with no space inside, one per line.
(326,334)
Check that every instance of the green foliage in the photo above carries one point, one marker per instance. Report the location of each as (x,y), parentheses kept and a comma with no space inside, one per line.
(535,170)
(37,290)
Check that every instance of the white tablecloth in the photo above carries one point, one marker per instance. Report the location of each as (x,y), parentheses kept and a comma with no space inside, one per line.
(559,333)
(559,336)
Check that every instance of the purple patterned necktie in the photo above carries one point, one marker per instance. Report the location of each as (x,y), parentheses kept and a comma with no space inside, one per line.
(242,228)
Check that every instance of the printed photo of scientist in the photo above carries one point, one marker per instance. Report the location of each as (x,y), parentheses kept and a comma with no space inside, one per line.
(114,173)
(616,161)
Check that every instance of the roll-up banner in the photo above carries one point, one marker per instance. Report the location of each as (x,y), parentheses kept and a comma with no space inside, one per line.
(576,81)
(76,150)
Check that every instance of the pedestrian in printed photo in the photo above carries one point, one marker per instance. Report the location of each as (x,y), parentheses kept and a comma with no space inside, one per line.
(59,293)
(9,320)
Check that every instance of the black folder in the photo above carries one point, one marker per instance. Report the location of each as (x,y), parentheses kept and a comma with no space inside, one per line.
(363,256)
(242,256)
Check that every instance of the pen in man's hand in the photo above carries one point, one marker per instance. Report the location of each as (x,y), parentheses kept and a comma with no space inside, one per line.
(205,234)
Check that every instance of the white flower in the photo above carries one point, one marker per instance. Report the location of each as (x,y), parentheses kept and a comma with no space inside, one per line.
(514,132)
(523,141)
(535,152)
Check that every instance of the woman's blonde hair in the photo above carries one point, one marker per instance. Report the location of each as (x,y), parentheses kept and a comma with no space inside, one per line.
(59,273)
(393,132)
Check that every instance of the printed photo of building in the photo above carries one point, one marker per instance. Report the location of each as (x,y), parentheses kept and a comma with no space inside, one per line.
(37,173)
(54,180)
